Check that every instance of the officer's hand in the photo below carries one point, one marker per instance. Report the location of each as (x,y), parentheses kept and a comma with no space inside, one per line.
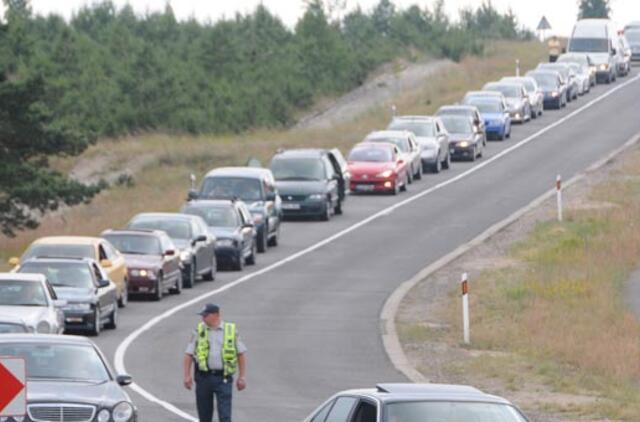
(188,382)
(241,384)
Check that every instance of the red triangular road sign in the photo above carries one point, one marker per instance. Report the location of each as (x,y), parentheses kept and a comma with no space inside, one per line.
(11,387)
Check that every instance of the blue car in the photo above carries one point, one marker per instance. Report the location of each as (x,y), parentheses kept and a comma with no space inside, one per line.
(497,120)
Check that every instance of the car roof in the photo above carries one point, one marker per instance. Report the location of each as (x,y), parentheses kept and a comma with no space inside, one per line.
(302,153)
(432,392)
(137,232)
(414,118)
(202,203)
(388,134)
(248,172)
(457,107)
(46,339)
(503,83)
(22,277)
(380,145)
(173,215)
(68,240)
(59,259)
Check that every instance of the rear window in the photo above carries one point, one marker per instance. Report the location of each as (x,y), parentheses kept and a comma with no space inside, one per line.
(59,251)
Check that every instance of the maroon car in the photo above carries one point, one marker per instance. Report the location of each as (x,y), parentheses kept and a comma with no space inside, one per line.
(153,264)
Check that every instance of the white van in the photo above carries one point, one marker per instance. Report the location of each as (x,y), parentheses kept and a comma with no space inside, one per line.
(599,39)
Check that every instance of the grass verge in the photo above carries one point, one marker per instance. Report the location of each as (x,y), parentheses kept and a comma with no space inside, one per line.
(161,184)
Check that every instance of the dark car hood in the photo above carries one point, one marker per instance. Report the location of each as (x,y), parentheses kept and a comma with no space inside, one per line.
(75,294)
(223,232)
(102,394)
(143,261)
(301,187)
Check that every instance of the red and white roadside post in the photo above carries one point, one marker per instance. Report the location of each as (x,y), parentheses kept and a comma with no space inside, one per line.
(559,196)
(465,308)
(518,67)
(394,110)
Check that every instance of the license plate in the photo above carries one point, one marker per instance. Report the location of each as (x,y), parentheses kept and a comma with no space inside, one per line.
(364,188)
(143,289)
(452,150)
(290,206)
(73,319)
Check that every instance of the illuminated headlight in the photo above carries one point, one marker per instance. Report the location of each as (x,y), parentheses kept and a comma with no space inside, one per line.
(385,174)
(185,255)
(604,66)
(225,242)
(78,307)
(104,415)
(257,217)
(43,327)
(463,144)
(517,116)
(316,197)
(554,94)
(143,273)
(123,412)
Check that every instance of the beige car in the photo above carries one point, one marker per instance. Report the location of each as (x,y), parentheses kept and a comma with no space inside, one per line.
(82,247)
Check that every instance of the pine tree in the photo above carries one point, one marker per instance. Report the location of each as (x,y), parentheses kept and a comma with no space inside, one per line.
(594,9)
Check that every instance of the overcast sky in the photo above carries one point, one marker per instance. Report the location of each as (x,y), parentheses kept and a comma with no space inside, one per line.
(560,13)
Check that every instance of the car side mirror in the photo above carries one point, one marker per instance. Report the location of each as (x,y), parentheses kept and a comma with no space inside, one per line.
(201,238)
(169,252)
(59,303)
(104,283)
(124,380)
(14,261)
(192,195)
(248,226)
(106,263)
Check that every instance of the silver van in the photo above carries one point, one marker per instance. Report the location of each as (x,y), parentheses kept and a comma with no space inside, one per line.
(599,39)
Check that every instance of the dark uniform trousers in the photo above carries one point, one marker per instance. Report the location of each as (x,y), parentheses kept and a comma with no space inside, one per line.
(208,385)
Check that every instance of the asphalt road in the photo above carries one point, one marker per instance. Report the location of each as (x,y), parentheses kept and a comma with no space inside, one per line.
(312,323)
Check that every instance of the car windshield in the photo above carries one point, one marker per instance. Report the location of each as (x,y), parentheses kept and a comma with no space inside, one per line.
(219,187)
(546,80)
(455,112)
(298,169)
(401,143)
(215,216)
(22,293)
(581,60)
(175,228)
(10,327)
(58,361)
(61,274)
(59,251)
(134,244)
(633,36)
(457,124)
(451,412)
(589,45)
(560,68)
(487,106)
(509,91)
(371,155)
(424,128)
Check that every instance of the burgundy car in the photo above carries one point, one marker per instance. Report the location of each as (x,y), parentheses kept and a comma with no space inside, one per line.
(153,263)
(377,167)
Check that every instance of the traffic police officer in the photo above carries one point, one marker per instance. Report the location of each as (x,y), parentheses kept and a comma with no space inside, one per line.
(555,48)
(217,353)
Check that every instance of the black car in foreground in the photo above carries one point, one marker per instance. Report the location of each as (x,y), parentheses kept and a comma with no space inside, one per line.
(416,403)
(92,299)
(232,225)
(311,183)
(69,379)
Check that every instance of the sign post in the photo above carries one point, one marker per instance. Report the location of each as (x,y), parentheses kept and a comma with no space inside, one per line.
(465,308)
(13,392)
(559,196)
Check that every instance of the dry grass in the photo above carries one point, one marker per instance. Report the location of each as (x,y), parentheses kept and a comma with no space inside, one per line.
(561,310)
(162,185)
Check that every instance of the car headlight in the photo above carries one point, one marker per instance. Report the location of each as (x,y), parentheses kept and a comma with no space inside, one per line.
(122,412)
(257,217)
(316,197)
(78,307)
(150,274)
(385,174)
(225,242)
(185,255)
(104,415)
(604,66)
(463,144)
(43,327)
(554,94)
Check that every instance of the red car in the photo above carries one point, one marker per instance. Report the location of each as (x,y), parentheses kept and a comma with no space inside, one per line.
(377,167)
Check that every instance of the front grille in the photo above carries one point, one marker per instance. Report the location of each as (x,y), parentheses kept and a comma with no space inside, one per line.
(294,198)
(61,412)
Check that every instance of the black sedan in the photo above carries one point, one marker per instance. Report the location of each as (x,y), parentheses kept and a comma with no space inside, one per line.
(465,140)
(69,375)
(92,299)
(232,225)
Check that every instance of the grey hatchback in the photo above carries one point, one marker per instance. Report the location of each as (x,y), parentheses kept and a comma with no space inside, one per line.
(416,403)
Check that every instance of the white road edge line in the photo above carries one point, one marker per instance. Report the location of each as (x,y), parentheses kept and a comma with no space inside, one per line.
(124,345)
(390,339)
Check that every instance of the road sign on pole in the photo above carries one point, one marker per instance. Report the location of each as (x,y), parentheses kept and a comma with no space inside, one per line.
(13,391)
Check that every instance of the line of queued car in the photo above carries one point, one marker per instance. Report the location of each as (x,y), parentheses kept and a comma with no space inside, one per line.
(74,283)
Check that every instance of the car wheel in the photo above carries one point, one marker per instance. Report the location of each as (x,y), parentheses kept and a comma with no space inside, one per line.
(418,175)
(409,176)
(446,164)
(404,186)
(177,288)
(436,167)
(124,297)
(192,275)
(474,154)
(97,324)
(159,288)
(112,324)
(262,239)
(276,238)
(326,214)
(211,275)
(251,259)
(238,262)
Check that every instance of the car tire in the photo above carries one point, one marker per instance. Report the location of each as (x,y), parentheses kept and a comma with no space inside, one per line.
(112,324)
(251,259)
(262,239)
(404,186)
(238,262)
(446,164)
(123,301)
(436,167)
(157,296)
(276,238)
(97,325)
(409,177)
(211,274)
(191,278)
(177,288)
(474,155)
(418,175)
(326,214)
